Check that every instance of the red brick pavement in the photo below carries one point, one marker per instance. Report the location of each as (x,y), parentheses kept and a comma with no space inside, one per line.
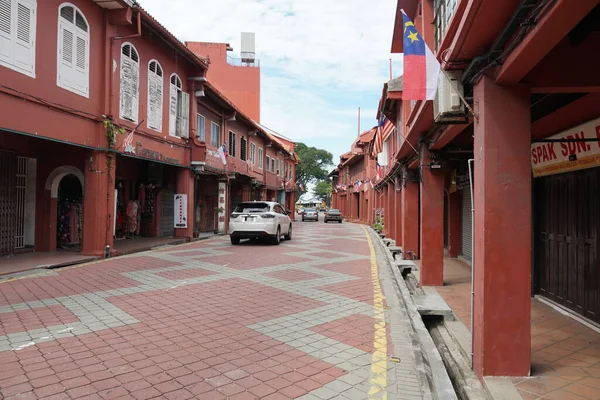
(192,341)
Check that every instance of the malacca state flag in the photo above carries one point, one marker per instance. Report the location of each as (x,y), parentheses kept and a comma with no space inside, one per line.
(421,68)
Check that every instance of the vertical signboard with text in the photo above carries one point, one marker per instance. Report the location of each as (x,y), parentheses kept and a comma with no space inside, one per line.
(181,211)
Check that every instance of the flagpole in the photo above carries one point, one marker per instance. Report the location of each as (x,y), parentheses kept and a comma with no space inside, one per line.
(358,121)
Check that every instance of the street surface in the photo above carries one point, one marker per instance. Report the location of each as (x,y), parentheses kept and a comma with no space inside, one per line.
(306,319)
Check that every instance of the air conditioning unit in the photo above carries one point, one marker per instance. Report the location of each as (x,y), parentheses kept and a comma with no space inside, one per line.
(448,108)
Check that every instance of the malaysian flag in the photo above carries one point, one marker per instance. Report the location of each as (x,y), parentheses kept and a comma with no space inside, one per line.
(384,130)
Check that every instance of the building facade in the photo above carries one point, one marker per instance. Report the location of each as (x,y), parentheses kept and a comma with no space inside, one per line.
(103,143)
(501,168)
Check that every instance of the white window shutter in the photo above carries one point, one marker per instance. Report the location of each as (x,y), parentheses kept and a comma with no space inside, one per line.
(6,31)
(173,110)
(66,71)
(135,91)
(154,101)
(24,37)
(185,115)
(81,64)
(126,88)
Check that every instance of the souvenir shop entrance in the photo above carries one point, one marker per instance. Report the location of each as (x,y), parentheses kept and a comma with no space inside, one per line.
(69,214)
(144,199)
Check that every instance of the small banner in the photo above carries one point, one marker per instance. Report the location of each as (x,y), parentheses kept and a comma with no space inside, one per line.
(181,211)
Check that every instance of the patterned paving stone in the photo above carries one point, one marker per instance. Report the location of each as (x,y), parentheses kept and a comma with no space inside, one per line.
(205,320)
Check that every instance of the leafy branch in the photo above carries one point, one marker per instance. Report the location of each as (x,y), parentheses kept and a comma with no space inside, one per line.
(111,133)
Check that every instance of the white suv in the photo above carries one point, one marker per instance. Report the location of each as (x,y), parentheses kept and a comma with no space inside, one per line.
(259,219)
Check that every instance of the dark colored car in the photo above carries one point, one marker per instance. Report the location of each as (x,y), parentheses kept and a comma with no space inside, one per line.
(310,214)
(333,215)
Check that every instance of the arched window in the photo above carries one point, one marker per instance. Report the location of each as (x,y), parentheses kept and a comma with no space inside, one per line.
(73,50)
(179,109)
(130,82)
(155,95)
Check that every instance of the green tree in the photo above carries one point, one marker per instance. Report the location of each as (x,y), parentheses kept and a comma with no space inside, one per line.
(313,166)
(323,190)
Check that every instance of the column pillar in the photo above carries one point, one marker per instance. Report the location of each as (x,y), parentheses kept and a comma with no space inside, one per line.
(98,202)
(391,212)
(432,223)
(410,217)
(399,216)
(185,185)
(454,224)
(502,254)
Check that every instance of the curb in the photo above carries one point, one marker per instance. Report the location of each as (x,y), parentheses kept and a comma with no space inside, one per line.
(434,371)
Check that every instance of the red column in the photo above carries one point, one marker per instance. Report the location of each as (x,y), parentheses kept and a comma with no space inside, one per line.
(386,211)
(432,223)
(398,218)
(98,202)
(454,224)
(502,190)
(410,217)
(391,220)
(185,185)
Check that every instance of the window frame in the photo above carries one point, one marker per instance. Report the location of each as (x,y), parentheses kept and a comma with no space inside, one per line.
(268,161)
(136,111)
(201,137)
(218,134)
(261,158)
(232,144)
(78,33)
(159,128)
(252,153)
(243,149)
(12,64)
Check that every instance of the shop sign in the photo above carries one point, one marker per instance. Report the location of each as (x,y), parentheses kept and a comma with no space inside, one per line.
(181,211)
(150,154)
(549,158)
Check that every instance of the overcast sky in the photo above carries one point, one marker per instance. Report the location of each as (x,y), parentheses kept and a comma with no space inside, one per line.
(320,59)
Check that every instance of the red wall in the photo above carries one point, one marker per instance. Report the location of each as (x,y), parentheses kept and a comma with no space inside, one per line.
(240,84)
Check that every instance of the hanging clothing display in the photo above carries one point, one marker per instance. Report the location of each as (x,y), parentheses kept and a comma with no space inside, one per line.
(133,217)
(69,223)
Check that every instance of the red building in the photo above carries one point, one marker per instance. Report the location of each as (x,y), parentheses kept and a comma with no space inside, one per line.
(522,155)
(101,144)
(236,78)
(353,182)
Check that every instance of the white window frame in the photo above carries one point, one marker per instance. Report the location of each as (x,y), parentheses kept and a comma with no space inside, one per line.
(212,131)
(179,109)
(158,78)
(12,44)
(252,153)
(135,89)
(202,129)
(261,158)
(268,164)
(69,75)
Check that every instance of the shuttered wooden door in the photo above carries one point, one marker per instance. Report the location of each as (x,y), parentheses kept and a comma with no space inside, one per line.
(566,261)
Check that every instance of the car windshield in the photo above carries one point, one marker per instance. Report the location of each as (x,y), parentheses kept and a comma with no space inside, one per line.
(310,210)
(252,208)
(334,211)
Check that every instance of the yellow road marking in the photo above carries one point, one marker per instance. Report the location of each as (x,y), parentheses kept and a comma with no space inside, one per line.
(379,360)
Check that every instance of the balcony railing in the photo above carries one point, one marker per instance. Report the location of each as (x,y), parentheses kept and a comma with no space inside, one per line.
(243,62)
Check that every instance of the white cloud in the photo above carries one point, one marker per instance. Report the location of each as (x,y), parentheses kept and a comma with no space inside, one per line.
(320,55)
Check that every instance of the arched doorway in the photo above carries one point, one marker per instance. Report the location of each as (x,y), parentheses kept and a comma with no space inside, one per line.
(69,201)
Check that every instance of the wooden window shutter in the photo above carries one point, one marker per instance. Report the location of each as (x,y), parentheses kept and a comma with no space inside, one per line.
(155,96)
(173,110)
(184,106)
(6,31)
(24,37)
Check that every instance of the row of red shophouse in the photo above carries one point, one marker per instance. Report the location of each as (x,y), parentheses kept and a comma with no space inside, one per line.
(510,182)
(110,128)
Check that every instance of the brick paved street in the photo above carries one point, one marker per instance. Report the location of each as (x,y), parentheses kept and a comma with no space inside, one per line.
(306,319)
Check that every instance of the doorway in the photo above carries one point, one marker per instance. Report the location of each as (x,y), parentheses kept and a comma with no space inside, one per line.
(69,214)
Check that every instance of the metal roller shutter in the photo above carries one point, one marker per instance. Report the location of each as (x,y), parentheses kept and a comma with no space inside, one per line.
(167,213)
(467,232)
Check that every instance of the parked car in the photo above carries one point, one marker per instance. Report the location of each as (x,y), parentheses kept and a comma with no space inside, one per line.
(300,210)
(333,215)
(310,214)
(260,219)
